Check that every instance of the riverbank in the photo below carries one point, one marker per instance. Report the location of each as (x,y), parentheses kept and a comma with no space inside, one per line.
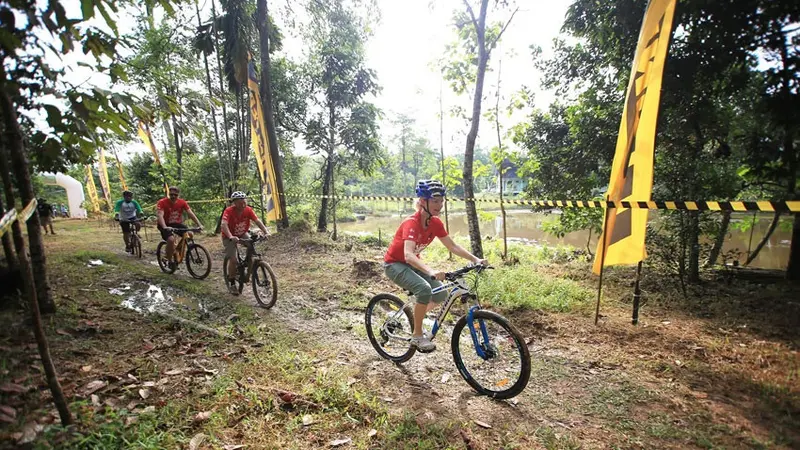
(719,369)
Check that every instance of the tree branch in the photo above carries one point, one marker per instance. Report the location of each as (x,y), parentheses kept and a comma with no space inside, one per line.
(505,27)
(471,14)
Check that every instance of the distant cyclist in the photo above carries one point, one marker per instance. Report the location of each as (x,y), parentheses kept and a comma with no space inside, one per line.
(402,263)
(236,225)
(126,211)
(170,216)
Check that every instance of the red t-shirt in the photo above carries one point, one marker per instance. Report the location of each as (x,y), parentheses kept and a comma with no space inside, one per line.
(238,224)
(411,230)
(173,212)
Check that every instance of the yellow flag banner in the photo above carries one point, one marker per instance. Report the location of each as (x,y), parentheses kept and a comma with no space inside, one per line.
(104,178)
(261,147)
(147,138)
(121,175)
(632,170)
(92,189)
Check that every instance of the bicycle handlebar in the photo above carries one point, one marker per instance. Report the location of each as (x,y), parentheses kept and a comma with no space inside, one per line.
(254,239)
(452,276)
(131,221)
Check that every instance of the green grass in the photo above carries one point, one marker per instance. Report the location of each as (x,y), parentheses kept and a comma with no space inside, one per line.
(106,430)
(520,287)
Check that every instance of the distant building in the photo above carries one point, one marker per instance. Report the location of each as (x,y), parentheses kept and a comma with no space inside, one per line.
(512,183)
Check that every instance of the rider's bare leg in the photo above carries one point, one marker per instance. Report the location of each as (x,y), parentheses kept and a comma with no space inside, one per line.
(232,269)
(420,309)
(170,247)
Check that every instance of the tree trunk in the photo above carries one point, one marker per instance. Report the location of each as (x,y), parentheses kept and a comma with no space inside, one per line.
(765,239)
(269,115)
(178,148)
(502,159)
(29,289)
(246,124)
(19,166)
(693,274)
(469,152)
(789,157)
(231,171)
(38,331)
(8,249)
(723,232)
(793,269)
(441,153)
(322,220)
(213,111)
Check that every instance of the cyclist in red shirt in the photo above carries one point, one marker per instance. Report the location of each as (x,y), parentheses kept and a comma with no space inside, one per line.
(236,225)
(403,265)
(170,218)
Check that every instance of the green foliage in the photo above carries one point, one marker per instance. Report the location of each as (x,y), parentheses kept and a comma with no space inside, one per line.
(79,118)
(717,132)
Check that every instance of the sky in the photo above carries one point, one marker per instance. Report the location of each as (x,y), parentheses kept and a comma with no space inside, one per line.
(410,37)
(413,34)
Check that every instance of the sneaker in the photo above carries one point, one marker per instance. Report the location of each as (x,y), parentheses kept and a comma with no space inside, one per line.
(173,265)
(423,344)
(232,289)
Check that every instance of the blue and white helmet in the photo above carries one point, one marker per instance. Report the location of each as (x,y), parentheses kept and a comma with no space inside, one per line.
(238,195)
(430,188)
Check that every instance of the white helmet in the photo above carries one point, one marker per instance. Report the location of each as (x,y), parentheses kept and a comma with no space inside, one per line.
(238,194)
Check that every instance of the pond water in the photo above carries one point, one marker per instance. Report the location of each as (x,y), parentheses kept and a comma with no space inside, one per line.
(526,227)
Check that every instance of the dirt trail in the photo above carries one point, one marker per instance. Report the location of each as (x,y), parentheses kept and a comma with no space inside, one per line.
(675,381)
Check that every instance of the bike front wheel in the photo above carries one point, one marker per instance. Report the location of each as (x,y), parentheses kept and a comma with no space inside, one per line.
(265,285)
(389,327)
(163,263)
(198,261)
(494,360)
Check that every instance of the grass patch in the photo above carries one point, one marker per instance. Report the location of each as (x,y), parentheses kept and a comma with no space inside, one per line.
(115,429)
(519,287)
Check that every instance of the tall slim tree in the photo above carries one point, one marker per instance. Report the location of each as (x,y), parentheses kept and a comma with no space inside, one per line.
(337,122)
(478,40)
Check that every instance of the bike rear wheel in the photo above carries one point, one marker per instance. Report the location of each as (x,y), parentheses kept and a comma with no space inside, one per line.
(389,329)
(161,257)
(265,285)
(198,261)
(504,369)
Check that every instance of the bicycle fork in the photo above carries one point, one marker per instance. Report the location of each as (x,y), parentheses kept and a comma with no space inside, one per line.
(483,349)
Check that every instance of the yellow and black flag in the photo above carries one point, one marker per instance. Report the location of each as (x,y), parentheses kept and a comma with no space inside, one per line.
(147,138)
(104,184)
(121,175)
(92,189)
(266,168)
(632,170)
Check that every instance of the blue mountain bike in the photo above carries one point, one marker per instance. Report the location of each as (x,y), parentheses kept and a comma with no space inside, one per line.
(490,354)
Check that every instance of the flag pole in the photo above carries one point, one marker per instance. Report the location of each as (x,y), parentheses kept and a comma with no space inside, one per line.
(637,295)
(602,264)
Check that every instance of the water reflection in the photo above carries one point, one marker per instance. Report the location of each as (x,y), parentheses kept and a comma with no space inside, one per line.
(526,227)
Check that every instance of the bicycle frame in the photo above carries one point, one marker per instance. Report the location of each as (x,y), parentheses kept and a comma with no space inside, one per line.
(184,239)
(251,255)
(456,290)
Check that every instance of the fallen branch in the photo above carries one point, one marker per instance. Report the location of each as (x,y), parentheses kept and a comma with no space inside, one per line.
(195,325)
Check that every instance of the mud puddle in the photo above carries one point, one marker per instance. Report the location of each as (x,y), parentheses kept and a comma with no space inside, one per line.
(147,298)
